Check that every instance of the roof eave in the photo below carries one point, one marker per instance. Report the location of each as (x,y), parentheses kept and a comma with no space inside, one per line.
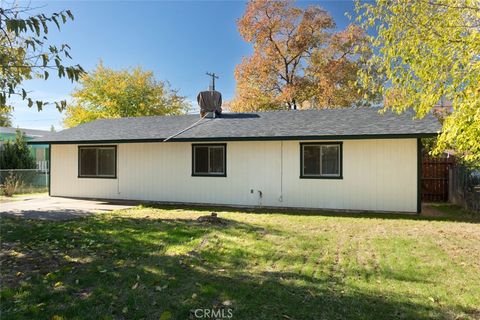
(266,138)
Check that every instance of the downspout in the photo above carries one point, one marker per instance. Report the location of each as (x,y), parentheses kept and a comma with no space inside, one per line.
(116,167)
(49,169)
(280,199)
(419,175)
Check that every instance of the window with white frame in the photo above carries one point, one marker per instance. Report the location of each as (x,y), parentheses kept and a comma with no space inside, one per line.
(321,160)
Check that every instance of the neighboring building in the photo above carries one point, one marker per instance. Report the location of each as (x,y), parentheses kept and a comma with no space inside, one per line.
(39,151)
(355,159)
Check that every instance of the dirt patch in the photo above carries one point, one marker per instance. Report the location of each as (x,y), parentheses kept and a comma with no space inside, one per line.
(212,219)
(431,211)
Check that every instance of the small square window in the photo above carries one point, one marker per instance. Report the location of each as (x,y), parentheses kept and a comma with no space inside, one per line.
(321,160)
(209,160)
(97,162)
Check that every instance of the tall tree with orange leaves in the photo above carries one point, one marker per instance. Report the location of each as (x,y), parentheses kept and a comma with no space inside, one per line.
(298,60)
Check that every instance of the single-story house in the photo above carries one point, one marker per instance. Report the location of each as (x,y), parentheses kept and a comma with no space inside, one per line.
(351,159)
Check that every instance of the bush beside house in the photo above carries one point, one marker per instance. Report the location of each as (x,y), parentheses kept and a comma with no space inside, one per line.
(15,155)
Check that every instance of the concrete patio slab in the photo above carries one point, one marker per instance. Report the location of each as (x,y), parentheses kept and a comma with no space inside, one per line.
(55,208)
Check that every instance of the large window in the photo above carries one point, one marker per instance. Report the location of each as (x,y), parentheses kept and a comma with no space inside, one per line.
(321,160)
(209,160)
(97,162)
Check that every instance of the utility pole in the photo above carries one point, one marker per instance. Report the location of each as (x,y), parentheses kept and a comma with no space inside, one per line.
(214,76)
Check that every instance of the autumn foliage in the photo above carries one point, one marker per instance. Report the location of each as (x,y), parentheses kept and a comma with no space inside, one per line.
(428,51)
(298,61)
(107,93)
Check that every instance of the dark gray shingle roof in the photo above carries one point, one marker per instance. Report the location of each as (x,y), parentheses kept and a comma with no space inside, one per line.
(301,124)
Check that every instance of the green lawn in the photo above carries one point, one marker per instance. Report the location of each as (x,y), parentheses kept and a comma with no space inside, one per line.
(149,263)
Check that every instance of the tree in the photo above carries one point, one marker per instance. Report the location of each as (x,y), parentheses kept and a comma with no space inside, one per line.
(296,58)
(16,154)
(5,116)
(332,70)
(107,93)
(26,54)
(429,50)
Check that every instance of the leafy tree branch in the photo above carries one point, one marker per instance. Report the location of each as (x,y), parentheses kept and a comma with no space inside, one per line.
(26,54)
(428,51)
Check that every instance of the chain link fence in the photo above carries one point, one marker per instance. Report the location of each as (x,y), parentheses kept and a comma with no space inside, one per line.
(464,185)
(25,180)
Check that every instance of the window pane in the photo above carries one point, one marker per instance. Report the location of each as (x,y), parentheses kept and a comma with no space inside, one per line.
(311,160)
(106,162)
(88,162)
(201,159)
(216,160)
(330,160)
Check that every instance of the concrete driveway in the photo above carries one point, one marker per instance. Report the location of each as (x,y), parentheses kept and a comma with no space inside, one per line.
(44,207)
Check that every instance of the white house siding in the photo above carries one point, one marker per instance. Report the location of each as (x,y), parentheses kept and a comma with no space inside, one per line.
(378,175)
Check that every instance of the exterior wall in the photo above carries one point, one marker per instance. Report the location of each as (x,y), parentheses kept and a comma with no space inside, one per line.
(378,175)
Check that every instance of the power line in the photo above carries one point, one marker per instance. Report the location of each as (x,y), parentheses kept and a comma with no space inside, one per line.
(31,120)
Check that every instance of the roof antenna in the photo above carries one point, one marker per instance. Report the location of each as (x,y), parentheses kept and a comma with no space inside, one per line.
(214,76)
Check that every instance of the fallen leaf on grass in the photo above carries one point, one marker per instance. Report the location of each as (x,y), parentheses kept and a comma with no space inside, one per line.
(166,315)
(160,288)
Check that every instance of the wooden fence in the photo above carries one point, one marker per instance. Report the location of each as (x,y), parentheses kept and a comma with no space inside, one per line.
(435,179)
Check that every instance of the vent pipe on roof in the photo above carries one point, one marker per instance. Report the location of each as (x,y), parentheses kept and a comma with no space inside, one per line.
(210,101)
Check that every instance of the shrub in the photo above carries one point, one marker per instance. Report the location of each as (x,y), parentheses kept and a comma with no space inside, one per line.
(10,185)
(16,154)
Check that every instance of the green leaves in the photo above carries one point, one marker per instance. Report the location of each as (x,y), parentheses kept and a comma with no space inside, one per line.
(36,23)
(108,93)
(16,154)
(428,52)
(45,59)
(5,116)
(23,55)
